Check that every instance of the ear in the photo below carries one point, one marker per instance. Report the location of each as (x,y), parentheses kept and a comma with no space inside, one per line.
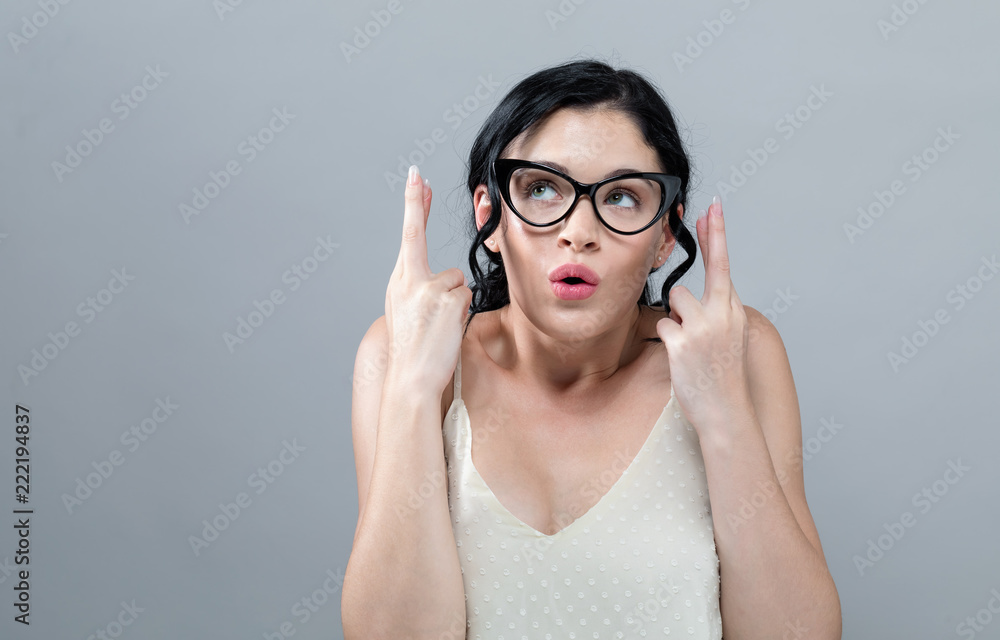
(483,207)
(667,241)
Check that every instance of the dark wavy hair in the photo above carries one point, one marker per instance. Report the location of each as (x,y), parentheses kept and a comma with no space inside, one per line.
(582,84)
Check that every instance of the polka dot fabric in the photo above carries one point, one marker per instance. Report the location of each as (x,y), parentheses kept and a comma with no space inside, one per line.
(641,563)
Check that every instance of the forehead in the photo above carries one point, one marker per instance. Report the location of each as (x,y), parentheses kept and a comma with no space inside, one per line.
(589,143)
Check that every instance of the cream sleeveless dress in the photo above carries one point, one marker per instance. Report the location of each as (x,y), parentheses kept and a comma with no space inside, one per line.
(641,563)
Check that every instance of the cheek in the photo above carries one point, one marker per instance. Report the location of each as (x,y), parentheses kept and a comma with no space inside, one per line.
(527,270)
(629,280)
(629,286)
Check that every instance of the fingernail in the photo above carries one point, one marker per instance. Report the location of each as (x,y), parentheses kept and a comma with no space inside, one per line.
(427,183)
(701,214)
(414,176)
(718,205)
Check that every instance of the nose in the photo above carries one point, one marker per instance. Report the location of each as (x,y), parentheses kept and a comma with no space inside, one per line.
(581,229)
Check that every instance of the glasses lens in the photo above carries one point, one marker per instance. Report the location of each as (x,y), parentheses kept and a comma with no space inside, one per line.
(629,204)
(538,195)
(542,197)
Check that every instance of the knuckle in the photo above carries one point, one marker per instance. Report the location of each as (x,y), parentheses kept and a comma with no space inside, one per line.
(410,233)
(431,299)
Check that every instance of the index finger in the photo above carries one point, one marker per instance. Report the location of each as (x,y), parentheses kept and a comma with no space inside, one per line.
(717,276)
(413,248)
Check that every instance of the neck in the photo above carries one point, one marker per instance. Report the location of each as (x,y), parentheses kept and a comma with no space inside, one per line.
(573,362)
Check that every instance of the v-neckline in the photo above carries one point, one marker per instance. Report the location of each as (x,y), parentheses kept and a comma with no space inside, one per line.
(467,447)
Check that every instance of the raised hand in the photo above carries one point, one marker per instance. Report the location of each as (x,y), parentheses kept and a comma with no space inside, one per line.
(424,311)
(707,340)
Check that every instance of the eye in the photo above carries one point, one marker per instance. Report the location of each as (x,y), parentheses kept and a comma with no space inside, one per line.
(537,191)
(622,199)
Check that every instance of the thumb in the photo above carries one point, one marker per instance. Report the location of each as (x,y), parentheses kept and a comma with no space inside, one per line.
(666,328)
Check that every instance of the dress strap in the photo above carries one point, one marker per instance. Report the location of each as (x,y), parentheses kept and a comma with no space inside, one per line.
(458,367)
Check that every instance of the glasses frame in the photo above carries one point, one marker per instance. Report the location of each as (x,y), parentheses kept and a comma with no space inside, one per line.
(504,167)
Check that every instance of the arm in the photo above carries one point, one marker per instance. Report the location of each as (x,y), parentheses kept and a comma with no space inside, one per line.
(403,579)
(775,581)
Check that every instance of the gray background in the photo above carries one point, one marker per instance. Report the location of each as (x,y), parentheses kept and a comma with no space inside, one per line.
(324,176)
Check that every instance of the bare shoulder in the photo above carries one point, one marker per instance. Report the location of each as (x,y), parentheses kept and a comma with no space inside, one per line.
(366,396)
(776,405)
(370,364)
(769,375)
(769,371)
(372,356)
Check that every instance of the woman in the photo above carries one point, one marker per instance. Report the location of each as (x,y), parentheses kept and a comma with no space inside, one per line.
(548,454)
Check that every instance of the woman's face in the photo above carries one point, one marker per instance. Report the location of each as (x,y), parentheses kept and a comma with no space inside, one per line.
(589,145)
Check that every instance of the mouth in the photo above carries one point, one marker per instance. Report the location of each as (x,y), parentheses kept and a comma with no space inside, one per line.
(573,281)
(574,273)
(572,289)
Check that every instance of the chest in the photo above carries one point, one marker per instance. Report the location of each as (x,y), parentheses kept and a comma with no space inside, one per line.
(550,468)
(565,559)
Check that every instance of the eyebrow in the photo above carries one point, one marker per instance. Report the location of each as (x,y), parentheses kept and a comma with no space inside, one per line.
(610,174)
